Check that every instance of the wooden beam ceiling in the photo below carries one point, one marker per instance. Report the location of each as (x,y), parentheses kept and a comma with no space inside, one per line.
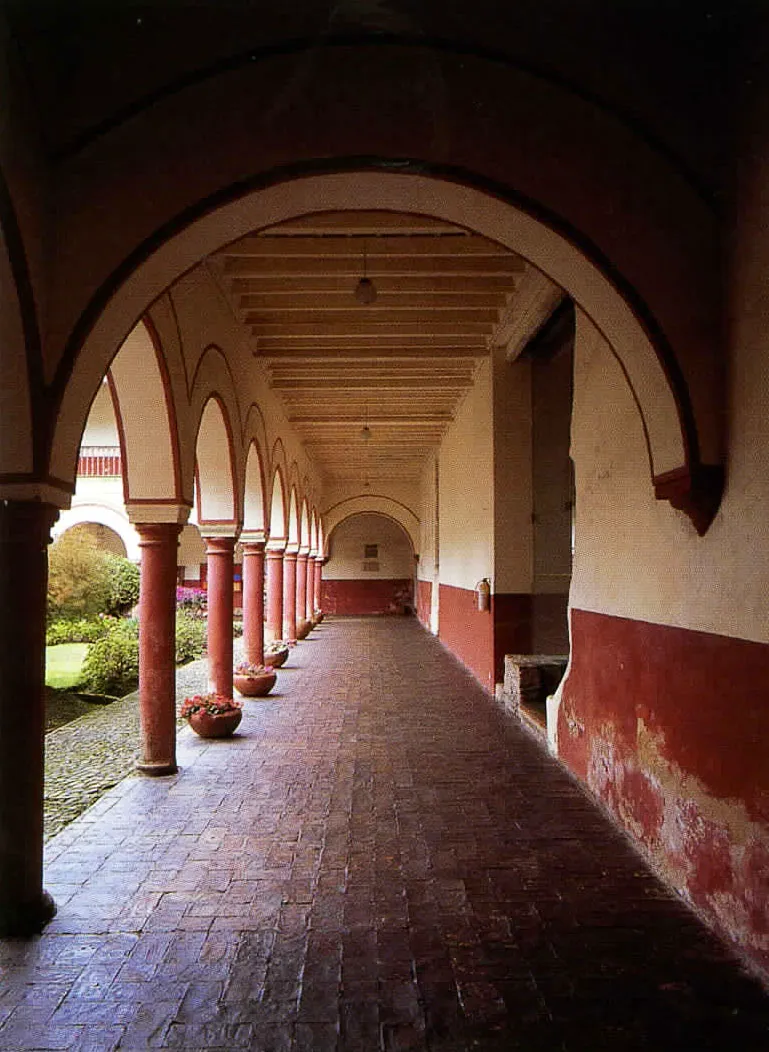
(402,363)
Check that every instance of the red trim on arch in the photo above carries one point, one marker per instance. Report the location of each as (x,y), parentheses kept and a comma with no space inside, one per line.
(165,379)
(112,387)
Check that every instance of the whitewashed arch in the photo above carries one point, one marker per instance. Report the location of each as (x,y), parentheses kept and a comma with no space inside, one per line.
(254,505)
(382,505)
(278,508)
(216,503)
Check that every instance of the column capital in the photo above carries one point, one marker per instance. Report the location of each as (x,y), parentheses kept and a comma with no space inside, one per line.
(290,555)
(226,531)
(157,511)
(26,521)
(157,532)
(219,545)
(58,495)
(252,547)
(253,537)
(277,545)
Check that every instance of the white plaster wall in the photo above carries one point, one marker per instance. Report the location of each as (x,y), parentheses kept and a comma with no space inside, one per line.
(637,557)
(101,426)
(346,545)
(192,550)
(466,465)
(428,509)
(513,536)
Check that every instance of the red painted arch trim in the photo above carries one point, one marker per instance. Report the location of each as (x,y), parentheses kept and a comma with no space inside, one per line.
(254,444)
(375,496)
(165,379)
(277,475)
(121,437)
(216,397)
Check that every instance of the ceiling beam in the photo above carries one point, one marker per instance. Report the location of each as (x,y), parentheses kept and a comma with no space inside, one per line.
(327,246)
(325,302)
(407,265)
(327,331)
(270,283)
(392,383)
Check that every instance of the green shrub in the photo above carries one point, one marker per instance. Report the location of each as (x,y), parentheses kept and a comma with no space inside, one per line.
(112,664)
(78,578)
(123,583)
(77,630)
(190,637)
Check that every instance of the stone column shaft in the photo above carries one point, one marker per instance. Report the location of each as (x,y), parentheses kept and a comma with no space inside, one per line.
(253,601)
(25,532)
(219,558)
(301,589)
(289,597)
(157,646)
(317,581)
(310,589)
(274,568)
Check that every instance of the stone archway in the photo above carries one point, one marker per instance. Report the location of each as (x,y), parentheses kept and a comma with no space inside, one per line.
(673,438)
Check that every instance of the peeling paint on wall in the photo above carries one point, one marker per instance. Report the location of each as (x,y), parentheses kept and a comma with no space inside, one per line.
(639,723)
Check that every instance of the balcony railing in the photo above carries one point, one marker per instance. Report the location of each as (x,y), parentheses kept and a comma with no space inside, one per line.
(99,462)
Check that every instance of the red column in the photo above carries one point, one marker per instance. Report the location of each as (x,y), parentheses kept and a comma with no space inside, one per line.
(25,532)
(253,601)
(219,553)
(316,584)
(157,646)
(301,594)
(310,590)
(289,597)
(274,626)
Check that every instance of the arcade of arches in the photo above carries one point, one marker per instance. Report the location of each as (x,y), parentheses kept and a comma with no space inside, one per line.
(557,384)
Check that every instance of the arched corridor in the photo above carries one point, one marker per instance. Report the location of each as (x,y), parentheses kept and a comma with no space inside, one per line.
(492,274)
(381,859)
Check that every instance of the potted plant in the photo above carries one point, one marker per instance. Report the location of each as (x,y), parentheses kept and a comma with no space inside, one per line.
(317,617)
(275,653)
(254,681)
(212,715)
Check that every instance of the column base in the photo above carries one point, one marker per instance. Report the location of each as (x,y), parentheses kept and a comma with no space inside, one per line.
(156,770)
(27,919)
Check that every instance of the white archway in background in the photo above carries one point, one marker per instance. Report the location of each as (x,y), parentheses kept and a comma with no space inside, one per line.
(391,509)
(113,518)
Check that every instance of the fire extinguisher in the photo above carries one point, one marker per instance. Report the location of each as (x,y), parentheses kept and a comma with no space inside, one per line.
(483,592)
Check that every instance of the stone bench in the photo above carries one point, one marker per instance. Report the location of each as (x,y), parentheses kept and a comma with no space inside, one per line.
(529,678)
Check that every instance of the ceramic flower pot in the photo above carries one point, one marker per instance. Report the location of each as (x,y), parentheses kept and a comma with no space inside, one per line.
(255,685)
(277,659)
(303,629)
(208,725)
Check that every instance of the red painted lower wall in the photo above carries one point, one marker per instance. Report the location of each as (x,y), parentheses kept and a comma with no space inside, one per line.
(512,615)
(467,632)
(362,596)
(669,728)
(424,601)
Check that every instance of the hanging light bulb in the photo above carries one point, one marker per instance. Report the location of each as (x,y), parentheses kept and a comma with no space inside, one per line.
(365,431)
(365,291)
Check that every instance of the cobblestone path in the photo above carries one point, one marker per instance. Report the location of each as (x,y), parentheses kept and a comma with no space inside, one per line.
(89,755)
(379,860)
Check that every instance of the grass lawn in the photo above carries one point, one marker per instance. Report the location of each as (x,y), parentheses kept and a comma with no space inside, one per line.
(63,664)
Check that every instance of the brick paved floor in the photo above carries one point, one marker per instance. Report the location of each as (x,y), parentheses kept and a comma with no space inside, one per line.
(374,863)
